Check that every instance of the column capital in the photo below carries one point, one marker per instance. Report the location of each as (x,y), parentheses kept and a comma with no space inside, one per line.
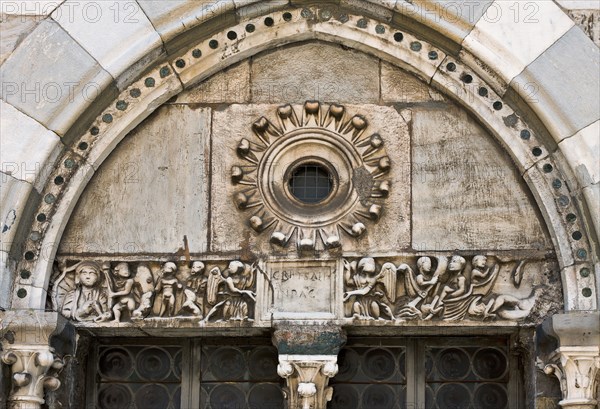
(307,360)
(307,377)
(576,361)
(27,337)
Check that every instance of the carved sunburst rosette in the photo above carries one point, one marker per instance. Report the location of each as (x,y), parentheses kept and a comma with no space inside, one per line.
(328,140)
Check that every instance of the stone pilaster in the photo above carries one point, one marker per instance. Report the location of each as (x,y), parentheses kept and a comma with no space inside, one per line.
(27,351)
(576,362)
(307,360)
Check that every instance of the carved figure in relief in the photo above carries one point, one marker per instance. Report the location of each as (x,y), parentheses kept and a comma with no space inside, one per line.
(144,288)
(372,292)
(458,306)
(505,306)
(451,293)
(167,286)
(456,286)
(195,289)
(479,272)
(229,291)
(88,300)
(420,286)
(121,295)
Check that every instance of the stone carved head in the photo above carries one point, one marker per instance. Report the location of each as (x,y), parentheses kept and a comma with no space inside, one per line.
(479,261)
(367,266)
(424,264)
(457,263)
(87,274)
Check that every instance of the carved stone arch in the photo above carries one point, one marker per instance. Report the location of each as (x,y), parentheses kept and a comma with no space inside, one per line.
(527,143)
(452,56)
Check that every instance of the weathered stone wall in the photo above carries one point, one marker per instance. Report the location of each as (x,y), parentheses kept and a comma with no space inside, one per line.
(453,187)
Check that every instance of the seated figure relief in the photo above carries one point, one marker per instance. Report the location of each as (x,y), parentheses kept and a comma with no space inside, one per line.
(450,292)
(90,291)
(87,299)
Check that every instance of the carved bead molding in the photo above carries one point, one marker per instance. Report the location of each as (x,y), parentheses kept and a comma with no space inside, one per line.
(354,166)
(307,377)
(577,370)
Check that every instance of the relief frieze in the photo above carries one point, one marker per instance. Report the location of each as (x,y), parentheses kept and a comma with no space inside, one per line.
(90,291)
(448,288)
(399,290)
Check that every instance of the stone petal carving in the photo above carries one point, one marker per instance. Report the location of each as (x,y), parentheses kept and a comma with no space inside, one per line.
(354,159)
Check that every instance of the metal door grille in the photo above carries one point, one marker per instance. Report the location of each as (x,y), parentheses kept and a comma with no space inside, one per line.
(429,373)
(374,373)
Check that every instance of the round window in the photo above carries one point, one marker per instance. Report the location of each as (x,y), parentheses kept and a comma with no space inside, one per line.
(310,183)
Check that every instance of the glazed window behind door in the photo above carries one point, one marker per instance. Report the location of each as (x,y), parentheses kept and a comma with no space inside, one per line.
(431,373)
(125,374)
(138,377)
(374,373)
(238,377)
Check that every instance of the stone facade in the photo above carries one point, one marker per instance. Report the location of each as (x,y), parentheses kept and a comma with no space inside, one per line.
(368,173)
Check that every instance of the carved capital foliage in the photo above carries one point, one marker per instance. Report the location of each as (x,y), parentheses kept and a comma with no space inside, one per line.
(307,377)
(576,369)
(26,350)
(33,370)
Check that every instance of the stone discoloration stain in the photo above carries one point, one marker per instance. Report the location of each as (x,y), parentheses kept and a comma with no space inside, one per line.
(363,183)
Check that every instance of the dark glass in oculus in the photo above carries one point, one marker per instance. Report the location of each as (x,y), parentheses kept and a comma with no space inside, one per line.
(310,183)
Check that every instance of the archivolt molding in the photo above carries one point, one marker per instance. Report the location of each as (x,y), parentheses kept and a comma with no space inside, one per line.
(198,62)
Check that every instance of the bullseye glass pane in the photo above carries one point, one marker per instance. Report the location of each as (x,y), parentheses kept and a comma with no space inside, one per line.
(490,396)
(139,377)
(490,363)
(152,396)
(227,397)
(115,363)
(114,397)
(370,378)
(243,377)
(153,364)
(453,396)
(453,363)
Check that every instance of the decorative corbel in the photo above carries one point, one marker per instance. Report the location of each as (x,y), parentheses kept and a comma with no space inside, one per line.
(576,369)
(307,377)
